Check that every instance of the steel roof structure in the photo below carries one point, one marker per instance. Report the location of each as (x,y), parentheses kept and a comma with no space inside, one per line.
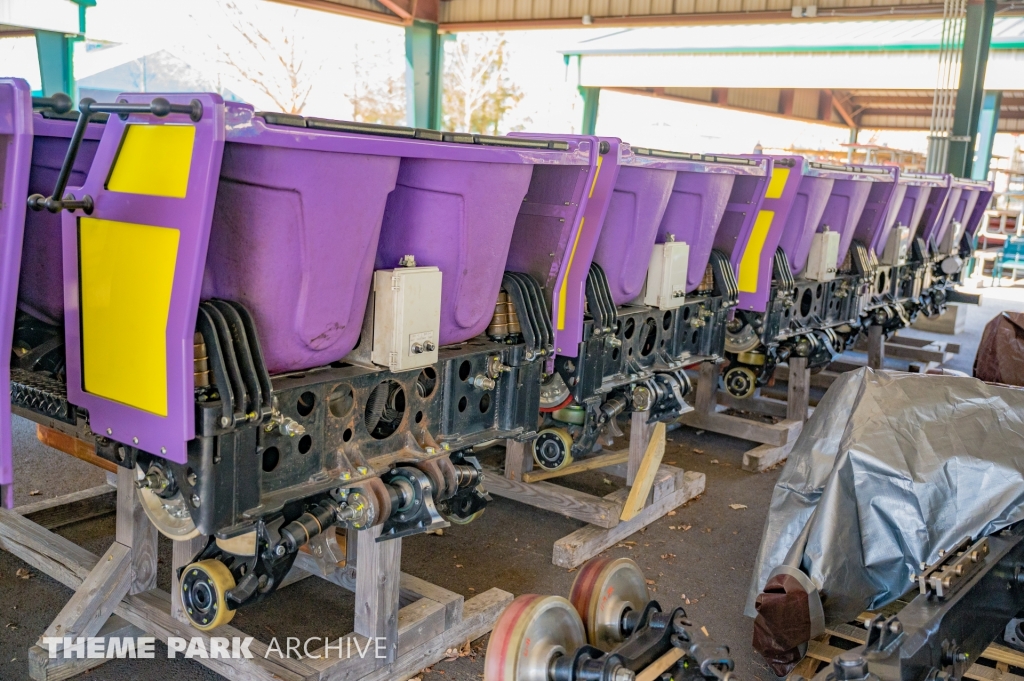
(473,15)
(863,74)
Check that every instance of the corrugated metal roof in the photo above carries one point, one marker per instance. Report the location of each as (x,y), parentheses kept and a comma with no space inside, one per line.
(840,36)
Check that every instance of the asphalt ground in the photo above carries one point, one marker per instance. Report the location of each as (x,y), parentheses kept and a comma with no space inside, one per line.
(703,553)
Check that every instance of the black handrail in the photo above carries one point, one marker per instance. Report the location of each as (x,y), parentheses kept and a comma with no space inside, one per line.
(87,108)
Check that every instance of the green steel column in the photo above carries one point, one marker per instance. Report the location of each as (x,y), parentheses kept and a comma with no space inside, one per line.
(424,67)
(56,63)
(591,98)
(987,124)
(977,36)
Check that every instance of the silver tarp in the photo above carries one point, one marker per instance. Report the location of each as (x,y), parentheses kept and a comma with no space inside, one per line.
(890,469)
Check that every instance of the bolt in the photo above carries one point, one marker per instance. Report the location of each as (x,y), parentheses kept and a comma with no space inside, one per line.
(430,450)
(483,382)
(122,454)
(192,478)
(225,422)
(135,440)
(417,348)
(110,431)
(163,450)
(195,500)
(429,346)
(362,470)
(623,674)
(346,475)
(280,550)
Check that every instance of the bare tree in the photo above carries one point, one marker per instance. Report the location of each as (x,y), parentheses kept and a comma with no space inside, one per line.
(274,62)
(478,92)
(375,99)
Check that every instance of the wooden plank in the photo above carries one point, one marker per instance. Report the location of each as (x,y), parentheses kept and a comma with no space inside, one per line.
(418,623)
(763,457)
(42,667)
(707,386)
(481,612)
(766,433)
(73,446)
(799,389)
(95,599)
(577,548)
(377,584)
(759,405)
(554,498)
(71,508)
(666,481)
(50,553)
(151,611)
(518,459)
(661,665)
(639,439)
(876,347)
(644,477)
(182,553)
(453,603)
(805,668)
(589,464)
(136,532)
(976,672)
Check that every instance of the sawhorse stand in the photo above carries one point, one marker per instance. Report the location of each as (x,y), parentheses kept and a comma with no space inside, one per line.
(652,490)
(116,597)
(777,439)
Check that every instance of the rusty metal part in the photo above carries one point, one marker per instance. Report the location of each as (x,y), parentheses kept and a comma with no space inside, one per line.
(708,282)
(443,476)
(200,361)
(377,495)
(505,320)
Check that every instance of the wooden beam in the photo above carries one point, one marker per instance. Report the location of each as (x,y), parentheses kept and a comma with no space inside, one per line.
(644,479)
(589,464)
(555,498)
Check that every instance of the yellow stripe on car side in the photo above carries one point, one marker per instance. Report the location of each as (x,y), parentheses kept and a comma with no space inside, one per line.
(126,276)
(154,160)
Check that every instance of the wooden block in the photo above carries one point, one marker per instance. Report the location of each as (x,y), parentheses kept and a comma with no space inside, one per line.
(799,389)
(876,347)
(951,322)
(763,457)
(97,596)
(667,480)
(420,588)
(588,464)
(73,446)
(377,585)
(554,498)
(806,668)
(418,623)
(577,548)
(639,438)
(707,386)
(136,532)
(766,433)
(182,553)
(518,459)
(757,405)
(661,665)
(481,612)
(47,552)
(71,508)
(42,667)
(644,479)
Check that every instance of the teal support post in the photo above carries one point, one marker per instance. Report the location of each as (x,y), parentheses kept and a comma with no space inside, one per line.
(987,124)
(56,62)
(977,36)
(424,68)
(591,98)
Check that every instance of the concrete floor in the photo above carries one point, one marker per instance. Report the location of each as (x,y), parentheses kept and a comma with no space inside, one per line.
(509,547)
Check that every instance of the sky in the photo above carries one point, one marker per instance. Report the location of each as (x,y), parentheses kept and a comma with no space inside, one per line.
(337,50)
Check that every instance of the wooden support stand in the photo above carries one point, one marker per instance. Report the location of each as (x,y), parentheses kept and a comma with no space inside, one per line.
(776,439)
(921,354)
(653,489)
(116,597)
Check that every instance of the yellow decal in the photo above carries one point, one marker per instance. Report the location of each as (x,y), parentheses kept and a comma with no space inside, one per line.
(777,183)
(154,160)
(750,263)
(597,171)
(565,279)
(127,272)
